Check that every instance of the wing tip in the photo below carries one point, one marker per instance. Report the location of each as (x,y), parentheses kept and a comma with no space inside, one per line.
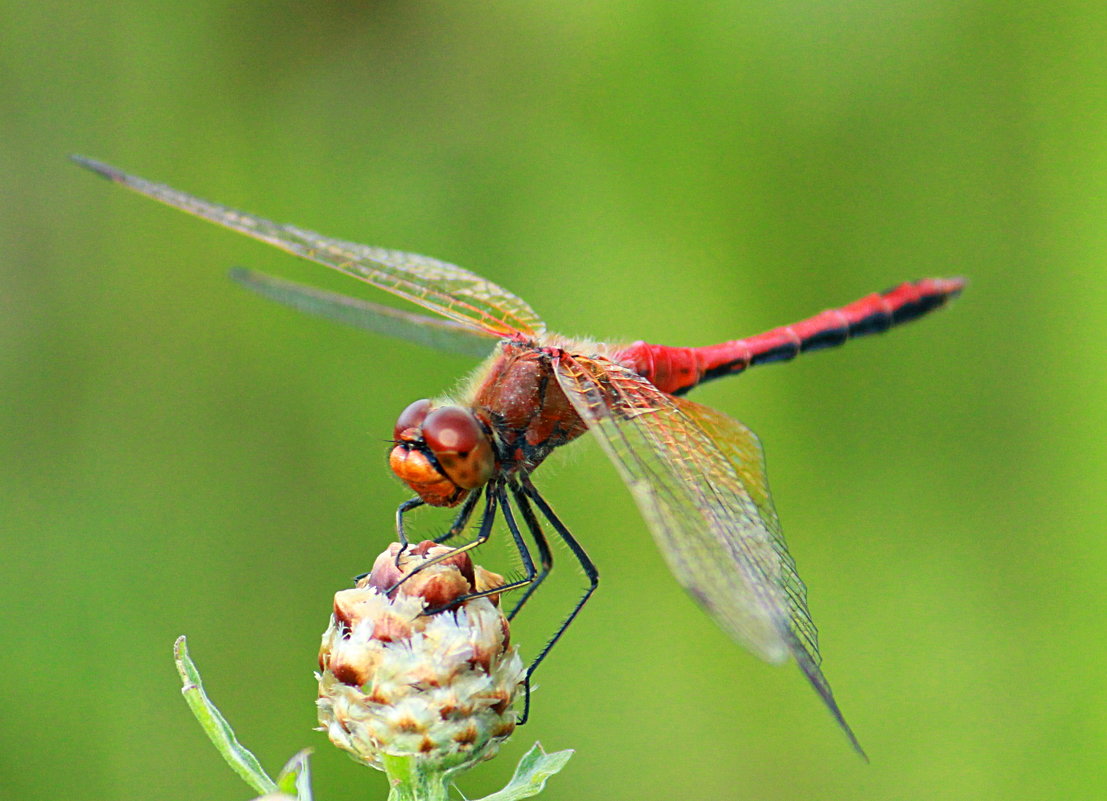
(822,687)
(243,275)
(98,167)
(252,280)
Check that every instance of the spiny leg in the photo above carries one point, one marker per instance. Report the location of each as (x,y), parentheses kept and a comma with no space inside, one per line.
(401,535)
(491,490)
(544,555)
(459,524)
(462,519)
(524,554)
(587,566)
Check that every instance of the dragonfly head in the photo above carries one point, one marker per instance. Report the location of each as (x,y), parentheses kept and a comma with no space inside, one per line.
(441,453)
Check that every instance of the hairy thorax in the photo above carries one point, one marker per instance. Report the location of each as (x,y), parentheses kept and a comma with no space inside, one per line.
(519,398)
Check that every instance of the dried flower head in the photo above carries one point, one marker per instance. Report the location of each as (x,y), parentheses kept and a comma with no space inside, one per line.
(396,681)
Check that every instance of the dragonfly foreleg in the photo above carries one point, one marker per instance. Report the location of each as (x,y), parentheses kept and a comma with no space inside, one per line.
(524,553)
(401,510)
(544,554)
(586,564)
(401,536)
(462,519)
(488,517)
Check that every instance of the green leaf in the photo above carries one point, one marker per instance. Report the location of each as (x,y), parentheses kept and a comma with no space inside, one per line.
(531,773)
(216,726)
(295,776)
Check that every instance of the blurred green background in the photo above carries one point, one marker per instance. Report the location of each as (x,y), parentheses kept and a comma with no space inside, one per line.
(178,456)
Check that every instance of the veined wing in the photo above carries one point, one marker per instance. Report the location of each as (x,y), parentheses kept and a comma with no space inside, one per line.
(434,332)
(445,288)
(698,478)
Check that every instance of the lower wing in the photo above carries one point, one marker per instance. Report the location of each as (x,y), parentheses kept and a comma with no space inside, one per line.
(698,478)
(433,332)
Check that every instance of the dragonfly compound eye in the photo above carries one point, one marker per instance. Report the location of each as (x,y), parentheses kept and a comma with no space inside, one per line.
(411,417)
(461,446)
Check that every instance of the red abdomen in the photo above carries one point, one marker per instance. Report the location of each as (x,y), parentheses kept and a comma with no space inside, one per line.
(677,370)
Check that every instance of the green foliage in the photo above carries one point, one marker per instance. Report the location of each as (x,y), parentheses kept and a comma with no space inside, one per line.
(215,726)
(407,780)
(531,774)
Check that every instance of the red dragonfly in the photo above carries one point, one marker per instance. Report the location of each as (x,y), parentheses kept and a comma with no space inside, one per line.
(697,476)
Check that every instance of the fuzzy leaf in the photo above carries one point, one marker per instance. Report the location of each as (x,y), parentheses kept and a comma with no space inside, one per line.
(295,776)
(531,773)
(215,725)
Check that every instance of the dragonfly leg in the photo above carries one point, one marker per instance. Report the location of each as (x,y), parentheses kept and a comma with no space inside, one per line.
(462,519)
(401,536)
(487,518)
(524,554)
(544,555)
(587,566)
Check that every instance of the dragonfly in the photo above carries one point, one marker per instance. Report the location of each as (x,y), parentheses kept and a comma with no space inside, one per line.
(697,476)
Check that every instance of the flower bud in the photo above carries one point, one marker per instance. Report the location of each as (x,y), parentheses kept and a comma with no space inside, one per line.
(395,681)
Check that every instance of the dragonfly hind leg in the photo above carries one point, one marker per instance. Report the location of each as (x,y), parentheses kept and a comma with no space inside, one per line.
(545,556)
(533,577)
(586,564)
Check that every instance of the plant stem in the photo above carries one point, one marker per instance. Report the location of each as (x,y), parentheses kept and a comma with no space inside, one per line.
(410,780)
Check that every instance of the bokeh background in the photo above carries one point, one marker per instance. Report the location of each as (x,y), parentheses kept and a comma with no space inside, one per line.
(178,456)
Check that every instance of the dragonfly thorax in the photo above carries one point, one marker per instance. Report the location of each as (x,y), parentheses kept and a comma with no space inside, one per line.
(441,453)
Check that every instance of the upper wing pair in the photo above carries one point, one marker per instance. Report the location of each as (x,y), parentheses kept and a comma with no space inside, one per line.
(472,302)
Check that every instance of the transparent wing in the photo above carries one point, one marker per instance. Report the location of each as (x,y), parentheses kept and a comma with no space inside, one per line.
(445,288)
(698,478)
(432,332)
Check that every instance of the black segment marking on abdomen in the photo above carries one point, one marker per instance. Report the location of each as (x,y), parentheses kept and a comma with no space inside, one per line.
(875,323)
(830,338)
(916,309)
(781,353)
